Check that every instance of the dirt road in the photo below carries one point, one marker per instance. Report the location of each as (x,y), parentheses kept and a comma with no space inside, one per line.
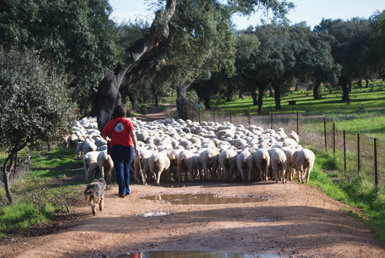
(291,220)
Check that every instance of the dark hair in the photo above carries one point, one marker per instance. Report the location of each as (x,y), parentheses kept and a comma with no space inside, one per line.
(119,111)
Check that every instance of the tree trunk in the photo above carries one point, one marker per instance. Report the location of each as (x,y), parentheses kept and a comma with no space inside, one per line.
(206,102)
(277,98)
(260,100)
(366,82)
(254,96)
(350,83)
(345,89)
(132,101)
(240,94)
(360,82)
(108,95)
(154,93)
(181,100)
(316,87)
(8,166)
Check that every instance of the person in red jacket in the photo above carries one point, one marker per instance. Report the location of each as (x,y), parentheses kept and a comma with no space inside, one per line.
(119,132)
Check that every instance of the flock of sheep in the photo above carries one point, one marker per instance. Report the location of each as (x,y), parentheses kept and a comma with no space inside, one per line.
(185,150)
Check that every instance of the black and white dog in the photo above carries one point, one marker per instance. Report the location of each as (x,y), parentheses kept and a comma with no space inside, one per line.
(94,194)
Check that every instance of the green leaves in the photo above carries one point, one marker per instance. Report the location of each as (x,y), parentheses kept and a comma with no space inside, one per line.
(75,36)
(34,104)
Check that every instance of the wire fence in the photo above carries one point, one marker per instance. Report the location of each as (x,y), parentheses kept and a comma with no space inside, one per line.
(356,153)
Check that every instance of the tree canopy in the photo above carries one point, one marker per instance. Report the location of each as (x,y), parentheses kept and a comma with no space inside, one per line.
(34,105)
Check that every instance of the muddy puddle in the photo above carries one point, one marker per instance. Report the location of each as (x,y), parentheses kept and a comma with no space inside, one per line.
(155,214)
(207,199)
(193,254)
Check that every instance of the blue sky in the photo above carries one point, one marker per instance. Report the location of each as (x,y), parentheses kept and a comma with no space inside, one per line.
(311,11)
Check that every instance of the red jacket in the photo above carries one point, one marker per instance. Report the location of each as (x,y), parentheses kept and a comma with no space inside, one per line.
(120,133)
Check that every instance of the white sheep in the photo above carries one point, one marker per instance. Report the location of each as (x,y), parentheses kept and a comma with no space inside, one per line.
(227,161)
(158,163)
(90,162)
(278,164)
(262,162)
(303,161)
(244,161)
(105,163)
(289,168)
(294,136)
(209,160)
(187,160)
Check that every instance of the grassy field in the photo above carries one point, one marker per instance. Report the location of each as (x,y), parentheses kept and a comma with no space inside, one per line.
(51,188)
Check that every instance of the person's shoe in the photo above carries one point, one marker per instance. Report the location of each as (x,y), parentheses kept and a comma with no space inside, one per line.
(121,195)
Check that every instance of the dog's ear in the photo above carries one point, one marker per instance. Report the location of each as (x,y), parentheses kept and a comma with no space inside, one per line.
(102,180)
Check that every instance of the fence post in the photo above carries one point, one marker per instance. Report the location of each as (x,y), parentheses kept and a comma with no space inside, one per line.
(271,120)
(231,120)
(326,144)
(297,124)
(199,115)
(375,163)
(214,115)
(334,138)
(344,150)
(358,154)
(248,114)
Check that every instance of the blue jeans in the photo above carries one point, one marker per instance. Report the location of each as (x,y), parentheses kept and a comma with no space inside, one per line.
(122,157)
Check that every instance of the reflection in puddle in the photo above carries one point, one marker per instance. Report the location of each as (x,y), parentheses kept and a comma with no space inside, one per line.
(193,254)
(266,219)
(156,213)
(201,199)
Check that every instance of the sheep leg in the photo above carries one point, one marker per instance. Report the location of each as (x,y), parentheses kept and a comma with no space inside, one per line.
(308,174)
(85,163)
(283,175)
(191,175)
(242,174)
(249,175)
(158,177)
(109,172)
(90,169)
(301,174)
(102,170)
(206,171)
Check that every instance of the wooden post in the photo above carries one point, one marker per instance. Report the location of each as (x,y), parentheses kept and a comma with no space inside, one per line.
(297,123)
(358,154)
(344,150)
(248,114)
(271,120)
(326,144)
(214,115)
(199,115)
(334,138)
(375,163)
(231,120)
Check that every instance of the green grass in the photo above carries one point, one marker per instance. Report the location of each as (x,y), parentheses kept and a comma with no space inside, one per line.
(355,191)
(54,184)
(362,100)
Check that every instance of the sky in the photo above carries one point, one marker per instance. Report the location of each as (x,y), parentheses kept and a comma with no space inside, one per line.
(310,11)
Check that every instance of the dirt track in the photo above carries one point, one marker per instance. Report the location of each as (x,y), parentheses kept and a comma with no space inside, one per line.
(293,221)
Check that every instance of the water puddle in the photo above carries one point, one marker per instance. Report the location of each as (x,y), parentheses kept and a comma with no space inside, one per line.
(266,219)
(193,254)
(201,199)
(156,214)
